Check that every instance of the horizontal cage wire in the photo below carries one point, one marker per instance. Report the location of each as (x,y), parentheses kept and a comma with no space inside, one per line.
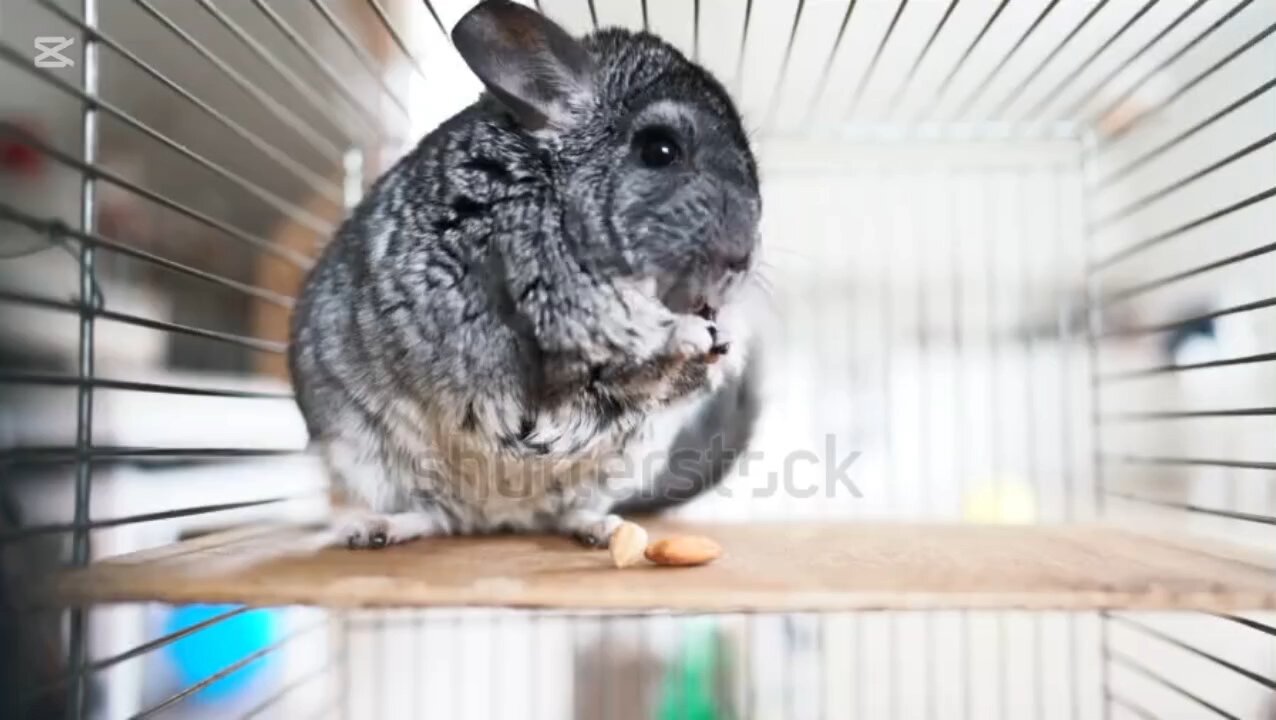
(1017,259)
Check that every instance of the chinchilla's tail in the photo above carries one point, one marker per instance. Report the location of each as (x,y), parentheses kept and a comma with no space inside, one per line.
(706,448)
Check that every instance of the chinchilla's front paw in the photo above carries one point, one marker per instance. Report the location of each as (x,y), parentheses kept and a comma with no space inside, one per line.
(695,337)
(691,336)
(653,332)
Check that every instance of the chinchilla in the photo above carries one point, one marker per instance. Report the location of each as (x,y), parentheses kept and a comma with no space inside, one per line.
(541,300)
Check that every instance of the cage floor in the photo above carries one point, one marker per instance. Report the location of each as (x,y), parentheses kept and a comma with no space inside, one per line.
(766,567)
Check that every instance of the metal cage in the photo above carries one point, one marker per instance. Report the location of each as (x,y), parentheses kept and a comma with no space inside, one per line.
(1019,258)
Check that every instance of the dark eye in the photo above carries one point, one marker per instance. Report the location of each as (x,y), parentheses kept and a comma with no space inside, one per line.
(657,147)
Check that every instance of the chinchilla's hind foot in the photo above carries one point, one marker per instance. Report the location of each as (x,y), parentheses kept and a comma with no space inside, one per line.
(374,531)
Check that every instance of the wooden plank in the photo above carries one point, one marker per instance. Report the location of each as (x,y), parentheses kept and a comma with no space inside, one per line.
(767,567)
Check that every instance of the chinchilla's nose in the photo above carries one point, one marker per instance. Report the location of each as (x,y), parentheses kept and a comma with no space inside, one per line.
(738,263)
(738,233)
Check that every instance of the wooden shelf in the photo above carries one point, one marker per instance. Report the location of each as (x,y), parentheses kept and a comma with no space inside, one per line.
(767,567)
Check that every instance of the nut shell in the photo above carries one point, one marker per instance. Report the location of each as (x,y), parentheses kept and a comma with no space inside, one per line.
(627,544)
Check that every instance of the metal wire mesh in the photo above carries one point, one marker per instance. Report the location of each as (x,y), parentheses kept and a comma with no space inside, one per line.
(1018,250)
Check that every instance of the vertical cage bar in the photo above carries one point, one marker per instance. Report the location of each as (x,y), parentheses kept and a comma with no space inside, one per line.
(1093,331)
(352,191)
(926,468)
(744,41)
(988,207)
(78,621)
(821,85)
(957,301)
(344,668)
(904,84)
(784,64)
(695,29)
(417,625)
(352,181)
(1093,327)
(891,236)
(877,55)
(1033,183)
(1065,339)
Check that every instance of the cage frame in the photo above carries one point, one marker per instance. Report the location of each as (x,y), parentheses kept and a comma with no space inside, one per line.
(85,242)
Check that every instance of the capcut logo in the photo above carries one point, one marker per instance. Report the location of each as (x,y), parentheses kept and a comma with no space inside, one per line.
(50,49)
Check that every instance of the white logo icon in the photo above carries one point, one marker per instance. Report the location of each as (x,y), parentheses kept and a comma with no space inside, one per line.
(51,52)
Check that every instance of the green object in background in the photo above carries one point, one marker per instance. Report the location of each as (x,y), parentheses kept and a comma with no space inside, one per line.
(689,690)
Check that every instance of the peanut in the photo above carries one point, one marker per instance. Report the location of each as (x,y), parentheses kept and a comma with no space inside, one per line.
(627,544)
(684,550)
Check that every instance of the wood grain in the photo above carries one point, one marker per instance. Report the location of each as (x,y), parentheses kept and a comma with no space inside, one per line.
(767,567)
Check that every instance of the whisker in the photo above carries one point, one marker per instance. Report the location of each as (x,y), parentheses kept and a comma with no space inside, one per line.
(763,283)
(789,250)
(802,259)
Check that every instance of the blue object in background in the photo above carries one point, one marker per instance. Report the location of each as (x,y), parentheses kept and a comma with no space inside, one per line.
(210,650)
(1185,334)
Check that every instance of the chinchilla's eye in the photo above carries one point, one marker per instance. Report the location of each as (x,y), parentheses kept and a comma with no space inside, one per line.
(657,147)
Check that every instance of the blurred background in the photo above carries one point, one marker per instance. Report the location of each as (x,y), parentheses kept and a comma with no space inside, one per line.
(1018,255)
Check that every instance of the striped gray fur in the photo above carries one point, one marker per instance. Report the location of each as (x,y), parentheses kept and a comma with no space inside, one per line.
(524,299)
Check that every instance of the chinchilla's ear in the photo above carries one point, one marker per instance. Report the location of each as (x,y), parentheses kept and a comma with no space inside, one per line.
(530,64)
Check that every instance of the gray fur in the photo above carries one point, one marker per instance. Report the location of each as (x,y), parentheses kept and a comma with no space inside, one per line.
(510,307)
